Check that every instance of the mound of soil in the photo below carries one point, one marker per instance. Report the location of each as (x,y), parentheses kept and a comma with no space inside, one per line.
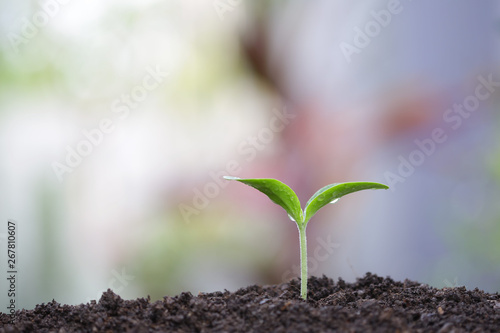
(371,304)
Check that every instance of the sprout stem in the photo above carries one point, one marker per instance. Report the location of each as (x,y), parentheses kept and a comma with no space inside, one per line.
(303,260)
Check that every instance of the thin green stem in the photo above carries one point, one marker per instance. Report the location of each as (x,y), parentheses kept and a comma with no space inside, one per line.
(303,261)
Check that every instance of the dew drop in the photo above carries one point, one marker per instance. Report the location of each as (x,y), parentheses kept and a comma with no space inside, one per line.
(291,218)
(334,201)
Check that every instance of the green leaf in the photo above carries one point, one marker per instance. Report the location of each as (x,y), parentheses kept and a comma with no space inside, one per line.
(333,192)
(278,192)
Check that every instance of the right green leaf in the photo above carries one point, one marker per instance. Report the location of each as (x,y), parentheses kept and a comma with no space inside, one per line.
(333,192)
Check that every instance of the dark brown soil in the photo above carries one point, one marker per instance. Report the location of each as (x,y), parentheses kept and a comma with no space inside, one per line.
(372,304)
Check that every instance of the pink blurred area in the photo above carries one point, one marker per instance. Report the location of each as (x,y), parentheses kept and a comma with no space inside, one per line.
(360,113)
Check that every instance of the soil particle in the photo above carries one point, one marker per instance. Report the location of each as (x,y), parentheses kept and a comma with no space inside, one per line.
(371,304)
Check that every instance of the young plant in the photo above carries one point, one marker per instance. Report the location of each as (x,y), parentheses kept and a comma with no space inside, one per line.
(285,197)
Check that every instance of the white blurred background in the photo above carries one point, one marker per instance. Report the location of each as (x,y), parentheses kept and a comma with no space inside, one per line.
(117,120)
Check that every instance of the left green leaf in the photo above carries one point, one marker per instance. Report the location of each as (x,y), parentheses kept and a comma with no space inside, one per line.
(278,192)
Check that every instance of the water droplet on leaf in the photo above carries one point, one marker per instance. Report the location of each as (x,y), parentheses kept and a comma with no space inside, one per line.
(291,218)
(334,201)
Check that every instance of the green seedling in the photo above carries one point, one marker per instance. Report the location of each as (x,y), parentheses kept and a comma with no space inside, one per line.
(285,197)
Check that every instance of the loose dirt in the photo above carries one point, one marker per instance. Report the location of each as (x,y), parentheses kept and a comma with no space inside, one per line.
(371,304)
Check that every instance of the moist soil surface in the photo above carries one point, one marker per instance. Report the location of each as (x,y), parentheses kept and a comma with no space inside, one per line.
(371,304)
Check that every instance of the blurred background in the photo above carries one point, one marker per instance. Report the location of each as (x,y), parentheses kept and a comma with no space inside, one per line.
(118,119)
